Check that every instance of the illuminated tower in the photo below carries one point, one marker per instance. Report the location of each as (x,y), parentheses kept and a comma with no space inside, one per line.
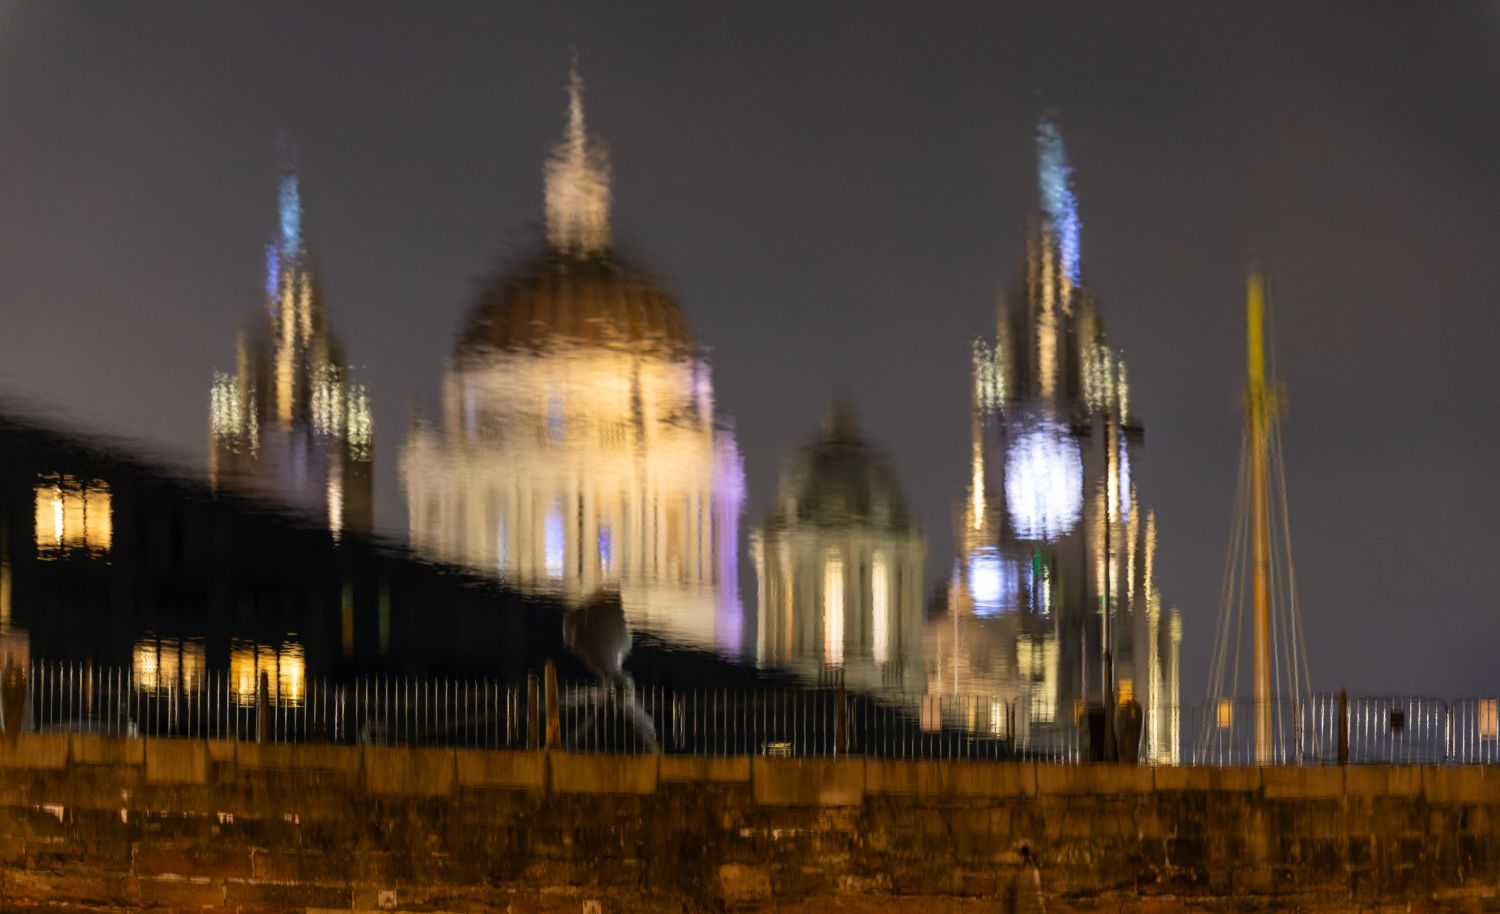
(578,448)
(1053,604)
(289,426)
(839,568)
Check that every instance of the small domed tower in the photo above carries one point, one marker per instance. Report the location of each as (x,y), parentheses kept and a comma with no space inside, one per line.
(839,567)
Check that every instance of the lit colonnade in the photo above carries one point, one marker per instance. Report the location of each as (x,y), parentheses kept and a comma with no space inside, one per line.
(578,448)
(290,426)
(839,566)
(1055,550)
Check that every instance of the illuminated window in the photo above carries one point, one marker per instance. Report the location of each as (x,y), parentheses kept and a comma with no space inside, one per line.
(1224,714)
(147,666)
(291,675)
(999,720)
(167,665)
(1127,691)
(1036,664)
(880,607)
(833,610)
(606,549)
(72,516)
(285,670)
(931,719)
(553,540)
(1489,718)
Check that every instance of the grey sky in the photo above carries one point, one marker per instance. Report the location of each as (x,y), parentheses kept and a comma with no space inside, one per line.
(835,192)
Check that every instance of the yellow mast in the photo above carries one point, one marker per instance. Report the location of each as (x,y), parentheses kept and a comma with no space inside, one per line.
(1257,414)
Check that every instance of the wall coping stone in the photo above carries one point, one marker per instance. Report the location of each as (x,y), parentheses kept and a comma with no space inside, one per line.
(482,768)
(1187,778)
(1093,778)
(734,769)
(346,759)
(409,771)
(98,749)
(176,761)
(35,750)
(1302,783)
(423,772)
(589,773)
(808,782)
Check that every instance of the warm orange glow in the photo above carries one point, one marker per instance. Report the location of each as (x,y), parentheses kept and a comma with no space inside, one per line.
(833,610)
(72,515)
(167,665)
(285,669)
(1489,718)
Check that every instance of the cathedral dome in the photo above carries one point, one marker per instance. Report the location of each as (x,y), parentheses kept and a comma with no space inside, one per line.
(840,479)
(576,293)
(561,300)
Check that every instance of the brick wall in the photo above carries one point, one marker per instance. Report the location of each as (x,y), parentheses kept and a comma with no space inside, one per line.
(113,825)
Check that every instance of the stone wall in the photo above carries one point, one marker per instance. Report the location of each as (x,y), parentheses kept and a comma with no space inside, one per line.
(112,825)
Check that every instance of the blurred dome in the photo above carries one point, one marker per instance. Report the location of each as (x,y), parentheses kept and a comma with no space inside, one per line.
(840,479)
(562,300)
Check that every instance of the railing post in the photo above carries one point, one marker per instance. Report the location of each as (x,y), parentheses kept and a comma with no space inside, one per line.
(840,726)
(262,707)
(532,718)
(1448,753)
(554,724)
(13,698)
(1343,727)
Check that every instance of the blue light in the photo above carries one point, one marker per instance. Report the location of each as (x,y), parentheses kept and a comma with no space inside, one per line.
(1044,482)
(995,583)
(553,542)
(291,216)
(1054,176)
(273,275)
(606,548)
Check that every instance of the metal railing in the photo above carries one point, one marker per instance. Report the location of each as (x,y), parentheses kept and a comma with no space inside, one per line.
(275,707)
(1354,729)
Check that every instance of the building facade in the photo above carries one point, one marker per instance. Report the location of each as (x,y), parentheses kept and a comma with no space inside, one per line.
(578,448)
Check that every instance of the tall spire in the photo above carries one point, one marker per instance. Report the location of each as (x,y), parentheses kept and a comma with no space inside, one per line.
(1054,176)
(577,184)
(289,200)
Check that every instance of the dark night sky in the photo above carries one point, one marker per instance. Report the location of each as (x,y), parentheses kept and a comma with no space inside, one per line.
(835,192)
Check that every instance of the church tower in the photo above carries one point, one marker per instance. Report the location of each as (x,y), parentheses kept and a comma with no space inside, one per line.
(1052,602)
(289,426)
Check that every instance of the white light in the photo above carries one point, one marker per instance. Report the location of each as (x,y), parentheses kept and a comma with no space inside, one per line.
(553,541)
(995,582)
(1044,482)
(880,604)
(833,611)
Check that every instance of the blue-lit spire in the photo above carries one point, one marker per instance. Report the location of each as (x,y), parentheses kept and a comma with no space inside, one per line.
(289,209)
(1054,177)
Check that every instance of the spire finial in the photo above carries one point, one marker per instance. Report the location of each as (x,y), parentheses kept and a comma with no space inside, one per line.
(577,183)
(1054,175)
(289,199)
